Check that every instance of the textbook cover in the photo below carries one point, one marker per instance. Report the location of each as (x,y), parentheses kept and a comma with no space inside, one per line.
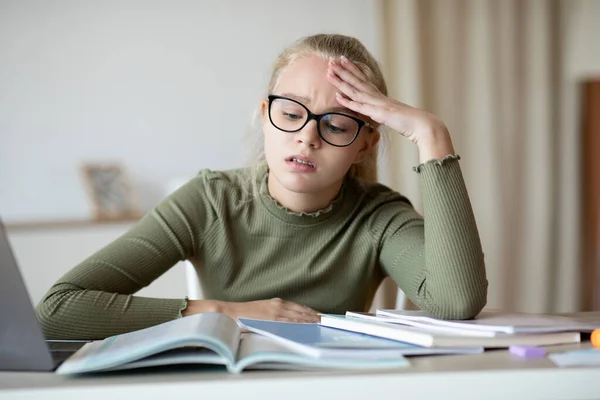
(321,341)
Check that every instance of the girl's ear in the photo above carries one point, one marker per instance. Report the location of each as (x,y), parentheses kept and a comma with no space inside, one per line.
(264,108)
(367,145)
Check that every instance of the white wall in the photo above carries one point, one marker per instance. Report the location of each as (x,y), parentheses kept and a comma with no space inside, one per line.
(166,87)
(46,254)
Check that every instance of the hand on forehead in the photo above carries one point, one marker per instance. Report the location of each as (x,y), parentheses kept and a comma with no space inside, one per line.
(305,80)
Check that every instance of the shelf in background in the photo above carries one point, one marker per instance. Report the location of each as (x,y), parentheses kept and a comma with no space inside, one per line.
(66,224)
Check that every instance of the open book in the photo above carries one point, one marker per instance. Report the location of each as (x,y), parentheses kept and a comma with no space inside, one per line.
(216,339)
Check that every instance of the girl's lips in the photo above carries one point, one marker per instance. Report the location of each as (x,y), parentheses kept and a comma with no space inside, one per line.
(301,164)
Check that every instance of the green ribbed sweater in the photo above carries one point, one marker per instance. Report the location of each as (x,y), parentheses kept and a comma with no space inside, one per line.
(248,247)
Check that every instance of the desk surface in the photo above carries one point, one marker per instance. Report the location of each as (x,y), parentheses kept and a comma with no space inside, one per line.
(493,374)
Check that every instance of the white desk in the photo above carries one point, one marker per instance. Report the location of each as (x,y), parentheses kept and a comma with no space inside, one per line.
(494,374)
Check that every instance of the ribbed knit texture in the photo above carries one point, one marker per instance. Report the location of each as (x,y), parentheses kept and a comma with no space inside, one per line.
(250,248)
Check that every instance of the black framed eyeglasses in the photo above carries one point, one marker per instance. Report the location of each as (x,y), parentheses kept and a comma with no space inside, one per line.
(337,129)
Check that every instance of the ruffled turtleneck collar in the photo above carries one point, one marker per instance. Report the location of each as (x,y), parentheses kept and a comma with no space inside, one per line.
(297,218)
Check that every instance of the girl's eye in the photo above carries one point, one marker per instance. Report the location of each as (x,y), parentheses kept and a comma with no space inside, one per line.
(293,117)
(334,129)
(338,124)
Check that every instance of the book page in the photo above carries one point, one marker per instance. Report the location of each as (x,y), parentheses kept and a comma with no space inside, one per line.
(213,331)
(260,352)
(251,343)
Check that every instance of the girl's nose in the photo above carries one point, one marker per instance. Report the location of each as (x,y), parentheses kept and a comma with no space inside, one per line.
(309,135)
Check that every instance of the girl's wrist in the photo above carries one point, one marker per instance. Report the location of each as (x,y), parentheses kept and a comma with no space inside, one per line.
(434,142)
(202,306)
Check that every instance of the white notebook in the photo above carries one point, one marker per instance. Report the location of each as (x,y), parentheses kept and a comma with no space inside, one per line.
(497,321)
(425,326)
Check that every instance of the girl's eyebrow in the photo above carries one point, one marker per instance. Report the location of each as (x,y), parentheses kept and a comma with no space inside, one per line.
(306,100)
(343,110)
(301,99)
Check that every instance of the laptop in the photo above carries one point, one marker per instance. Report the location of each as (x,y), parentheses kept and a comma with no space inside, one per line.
(22,343)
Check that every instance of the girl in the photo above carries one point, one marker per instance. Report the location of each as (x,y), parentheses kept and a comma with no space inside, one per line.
(308,228)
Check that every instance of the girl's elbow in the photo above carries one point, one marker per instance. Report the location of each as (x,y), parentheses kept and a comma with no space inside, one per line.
(465,304)
(46,320)
(51,315)
(468,304)
(468,308)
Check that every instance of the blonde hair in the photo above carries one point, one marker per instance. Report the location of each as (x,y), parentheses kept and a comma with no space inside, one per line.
(325,46)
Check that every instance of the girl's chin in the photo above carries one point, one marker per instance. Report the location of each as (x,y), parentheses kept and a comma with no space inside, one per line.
(298,183)
(306,184)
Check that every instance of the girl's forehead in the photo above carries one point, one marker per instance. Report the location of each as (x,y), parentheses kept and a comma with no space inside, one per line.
(306,79)
(310,67)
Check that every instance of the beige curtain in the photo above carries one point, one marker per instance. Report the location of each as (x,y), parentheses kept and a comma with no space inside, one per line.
(491,69)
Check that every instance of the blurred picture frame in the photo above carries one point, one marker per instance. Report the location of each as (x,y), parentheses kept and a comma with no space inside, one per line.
(110,191)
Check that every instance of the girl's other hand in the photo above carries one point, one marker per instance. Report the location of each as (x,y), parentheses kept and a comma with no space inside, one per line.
(274,309)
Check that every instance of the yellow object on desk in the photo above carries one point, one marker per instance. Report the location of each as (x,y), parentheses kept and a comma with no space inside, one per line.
(595,337)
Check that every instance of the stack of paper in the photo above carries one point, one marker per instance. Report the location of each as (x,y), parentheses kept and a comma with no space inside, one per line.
(490,329)
(496,321)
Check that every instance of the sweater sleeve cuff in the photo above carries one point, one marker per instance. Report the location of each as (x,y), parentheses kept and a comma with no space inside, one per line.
(182,307)
(436,163)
